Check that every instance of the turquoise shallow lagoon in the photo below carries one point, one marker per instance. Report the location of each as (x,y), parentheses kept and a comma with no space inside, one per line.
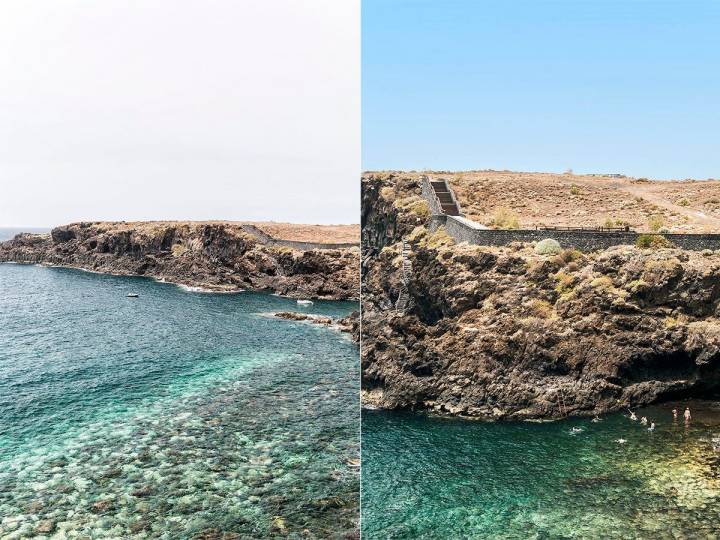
(426,477)
(171,415)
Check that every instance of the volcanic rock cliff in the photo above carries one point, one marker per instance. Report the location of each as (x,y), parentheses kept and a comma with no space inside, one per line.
(214,256)
(508,333)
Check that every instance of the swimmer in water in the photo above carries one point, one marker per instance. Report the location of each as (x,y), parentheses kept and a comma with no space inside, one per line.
(652,426)
(621,441)
(632,416)
(674,414)
(575,430)
(596,419)
(643,420)
(687,414)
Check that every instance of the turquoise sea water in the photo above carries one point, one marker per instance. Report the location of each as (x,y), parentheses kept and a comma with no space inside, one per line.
(171,414)
(427,477)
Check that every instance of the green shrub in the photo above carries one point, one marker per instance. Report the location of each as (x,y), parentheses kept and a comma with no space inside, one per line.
(565,283)
(574,190)
(568,256)
(504,218)
(548,246)
(655,223)
(654,241)
(683,202)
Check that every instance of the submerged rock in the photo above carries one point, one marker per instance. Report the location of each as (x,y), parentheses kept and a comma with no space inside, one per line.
(45,526)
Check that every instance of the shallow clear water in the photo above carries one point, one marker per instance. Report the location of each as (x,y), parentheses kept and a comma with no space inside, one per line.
(170,414)
(429,477)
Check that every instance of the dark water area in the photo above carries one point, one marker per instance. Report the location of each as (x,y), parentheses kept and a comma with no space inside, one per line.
(171,414)
(429,477)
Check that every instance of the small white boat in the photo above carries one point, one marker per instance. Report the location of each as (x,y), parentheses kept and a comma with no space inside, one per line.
(305,302)
(132,295)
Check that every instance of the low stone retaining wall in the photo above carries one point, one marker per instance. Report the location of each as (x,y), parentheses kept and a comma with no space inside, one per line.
(462,231)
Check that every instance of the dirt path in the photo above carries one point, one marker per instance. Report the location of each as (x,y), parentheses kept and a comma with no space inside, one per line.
(647,192)
(709,223)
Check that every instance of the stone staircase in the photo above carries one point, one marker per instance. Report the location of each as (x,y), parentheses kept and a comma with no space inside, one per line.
(404,301)
(445,197)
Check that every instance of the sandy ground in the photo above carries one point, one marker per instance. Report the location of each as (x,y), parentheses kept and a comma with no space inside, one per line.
(327,234)
(585,201)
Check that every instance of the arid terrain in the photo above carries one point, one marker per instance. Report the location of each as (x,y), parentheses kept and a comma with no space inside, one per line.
(322,234)
(549,199)
(218,256)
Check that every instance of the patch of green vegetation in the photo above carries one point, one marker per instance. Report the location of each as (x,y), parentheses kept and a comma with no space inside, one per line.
(683,202)
(413,204)
(574,190)
(439,238)
(565,283)
(504,218)
(568,256)
(548,246)
(655,223)
(652,241)
(614,222)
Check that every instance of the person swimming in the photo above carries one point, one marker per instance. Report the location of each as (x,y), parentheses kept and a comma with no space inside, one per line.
(643,420)
(632,416)
(576,430)
(674,411)
(621,441)
(687,414)
(652,426)
(596,419)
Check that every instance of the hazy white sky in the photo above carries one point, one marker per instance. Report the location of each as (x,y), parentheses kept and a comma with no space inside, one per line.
(179,109)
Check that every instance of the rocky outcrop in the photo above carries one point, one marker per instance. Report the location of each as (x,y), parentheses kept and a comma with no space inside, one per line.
(506,333)
(345,324)
(213,256)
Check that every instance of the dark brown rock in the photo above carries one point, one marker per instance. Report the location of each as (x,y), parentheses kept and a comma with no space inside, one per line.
(502,332)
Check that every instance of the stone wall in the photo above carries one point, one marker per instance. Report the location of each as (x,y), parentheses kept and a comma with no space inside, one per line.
(429,195)
(582,240)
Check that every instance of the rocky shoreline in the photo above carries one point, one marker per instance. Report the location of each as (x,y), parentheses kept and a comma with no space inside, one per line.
(207,256)
(348,324)
(507,333)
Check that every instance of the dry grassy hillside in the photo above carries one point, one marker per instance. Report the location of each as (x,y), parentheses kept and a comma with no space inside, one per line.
(535,199)
(324,234)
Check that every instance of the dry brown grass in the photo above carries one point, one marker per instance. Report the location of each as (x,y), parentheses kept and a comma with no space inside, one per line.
(327,234)
(581,200)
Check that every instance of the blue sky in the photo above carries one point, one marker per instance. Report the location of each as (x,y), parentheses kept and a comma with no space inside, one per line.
(596,86)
